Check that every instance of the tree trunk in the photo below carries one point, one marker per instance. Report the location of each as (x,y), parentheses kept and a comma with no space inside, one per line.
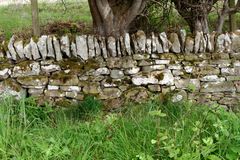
(113,17)
(35,18)
(232,17)
(195,12)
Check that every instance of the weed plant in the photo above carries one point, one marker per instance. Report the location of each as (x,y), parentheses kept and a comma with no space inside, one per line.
(147,131)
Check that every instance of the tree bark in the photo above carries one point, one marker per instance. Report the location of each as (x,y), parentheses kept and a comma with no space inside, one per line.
(195,12)
(227,10)
(232,17)
(35,18)
(113,17)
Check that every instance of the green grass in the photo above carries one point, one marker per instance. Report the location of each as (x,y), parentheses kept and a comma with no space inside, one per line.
(152,130)
(16,18)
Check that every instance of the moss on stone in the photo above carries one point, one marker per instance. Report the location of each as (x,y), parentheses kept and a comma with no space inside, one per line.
(5,64)
(24,65)
(61,76)
(159,76)
(12,84)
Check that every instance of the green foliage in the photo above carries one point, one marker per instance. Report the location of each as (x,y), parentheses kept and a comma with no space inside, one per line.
(152,130)
(90,105)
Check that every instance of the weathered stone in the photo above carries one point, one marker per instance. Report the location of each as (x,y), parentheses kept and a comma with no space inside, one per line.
(141,41)
(175,66)
(230,101)
(50,48)
(236,64)
(237,84)
(218,87)
(70,88)
(65,45)
(189,45)
(168,56)
(177,72)
(146,62)
(33,80)
(112,50)
(153,68)
(164,77)
(52,88)
(182,37)
(220,56)
(128,62)
(110,93)
(116,74)
(137,94)
(82,48)
(57,49)
(154,43)
(220,43)
(149,46)
(132,71)
(4,73)
(189,69)
(97,47)
(190,84)
(235,56)
(19,49)
(114,62)
(26,68)
(165,42)
(54,93)
(35,92)
(235,42)
(102,71)
(138,81)
(27,52)
(50,68)
(221,63)
(159,47)
(227,43)
(208,70)
(74,95)
(42,46)
(74,49)
(110,83)
(212,78)
(230,71)
(61,79)
(233,78)
(154,88)
(176,46)
(11,88)
(91,48)
(127,43)
(197,41)
(103,47)
(119,51)
(11,48)
(203,44)
(162,61)
(141,56)
(190,57)
(179,96)
(210,46)
(92,88)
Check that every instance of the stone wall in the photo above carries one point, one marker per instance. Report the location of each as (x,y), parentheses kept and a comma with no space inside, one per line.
(203,69)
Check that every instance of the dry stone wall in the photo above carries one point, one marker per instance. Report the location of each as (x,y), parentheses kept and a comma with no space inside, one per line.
(203,69)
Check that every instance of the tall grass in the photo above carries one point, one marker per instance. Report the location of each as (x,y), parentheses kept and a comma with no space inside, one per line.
(15,18)
(152,130)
